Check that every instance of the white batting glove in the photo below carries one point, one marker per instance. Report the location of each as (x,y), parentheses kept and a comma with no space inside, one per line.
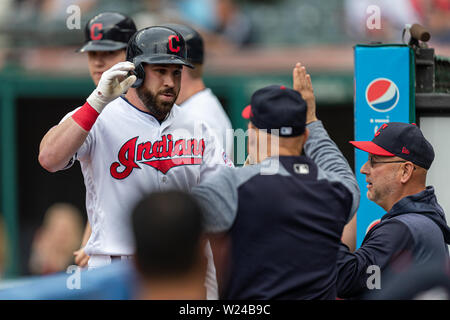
(112,84)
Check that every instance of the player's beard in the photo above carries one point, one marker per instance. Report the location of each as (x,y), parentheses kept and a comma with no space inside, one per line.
(156,107)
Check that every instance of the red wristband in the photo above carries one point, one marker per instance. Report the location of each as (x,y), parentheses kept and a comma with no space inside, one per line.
(85,116)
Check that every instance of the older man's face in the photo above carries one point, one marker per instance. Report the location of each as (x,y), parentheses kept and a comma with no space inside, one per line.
(382,177)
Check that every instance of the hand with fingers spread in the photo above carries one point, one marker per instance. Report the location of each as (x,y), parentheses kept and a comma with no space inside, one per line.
(302,84)
(112,84)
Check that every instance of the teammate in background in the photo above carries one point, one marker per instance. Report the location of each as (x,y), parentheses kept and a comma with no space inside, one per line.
(130,146)
(195,97)
(106,38)
(413,232)
(168,232)
(286,212)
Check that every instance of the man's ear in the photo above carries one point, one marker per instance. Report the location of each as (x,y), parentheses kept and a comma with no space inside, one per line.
(407,171)
(306,134)
(305,137)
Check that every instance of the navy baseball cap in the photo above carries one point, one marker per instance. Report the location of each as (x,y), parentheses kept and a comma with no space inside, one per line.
(400,139)
(277,107)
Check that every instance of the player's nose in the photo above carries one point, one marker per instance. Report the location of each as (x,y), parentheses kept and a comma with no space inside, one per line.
(169,81)
(365,168)
(99,61)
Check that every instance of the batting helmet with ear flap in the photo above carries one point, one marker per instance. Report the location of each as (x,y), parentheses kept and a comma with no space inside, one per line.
(155,45)
(107,31)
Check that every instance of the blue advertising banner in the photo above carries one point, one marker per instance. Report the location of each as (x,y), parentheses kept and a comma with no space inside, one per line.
(384,92)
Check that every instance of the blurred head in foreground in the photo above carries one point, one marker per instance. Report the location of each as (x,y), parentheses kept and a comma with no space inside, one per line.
(167,229)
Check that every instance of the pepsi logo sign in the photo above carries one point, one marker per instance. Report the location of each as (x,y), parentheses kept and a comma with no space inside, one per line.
(382,95)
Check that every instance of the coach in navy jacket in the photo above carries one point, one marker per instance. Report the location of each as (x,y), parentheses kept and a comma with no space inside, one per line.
(287,210)
(413,232)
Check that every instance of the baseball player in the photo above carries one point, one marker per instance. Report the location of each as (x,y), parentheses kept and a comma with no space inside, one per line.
(195,97)
(106,38)
(131,145)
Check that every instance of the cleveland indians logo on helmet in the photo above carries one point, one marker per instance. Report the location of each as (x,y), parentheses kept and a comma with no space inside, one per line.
(96,33)
(173,48)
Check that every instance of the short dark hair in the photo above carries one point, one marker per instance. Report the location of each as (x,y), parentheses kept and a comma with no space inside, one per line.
(167,228)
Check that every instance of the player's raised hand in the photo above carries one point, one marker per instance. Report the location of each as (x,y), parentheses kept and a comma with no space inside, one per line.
(302,84)
(114,82)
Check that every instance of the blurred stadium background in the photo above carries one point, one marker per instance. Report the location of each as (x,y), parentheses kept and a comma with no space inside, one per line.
(249,44)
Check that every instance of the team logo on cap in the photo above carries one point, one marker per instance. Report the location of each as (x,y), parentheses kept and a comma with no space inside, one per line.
(382,95)
(286,131)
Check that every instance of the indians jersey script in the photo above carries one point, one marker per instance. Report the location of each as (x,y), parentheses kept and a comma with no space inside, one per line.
(128,154)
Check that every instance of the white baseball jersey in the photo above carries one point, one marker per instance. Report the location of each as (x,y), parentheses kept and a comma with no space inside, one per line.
(205,106)
(128,154)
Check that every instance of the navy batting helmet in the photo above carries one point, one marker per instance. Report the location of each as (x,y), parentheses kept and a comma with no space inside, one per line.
(108,31)
(155,45)
(194,42)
